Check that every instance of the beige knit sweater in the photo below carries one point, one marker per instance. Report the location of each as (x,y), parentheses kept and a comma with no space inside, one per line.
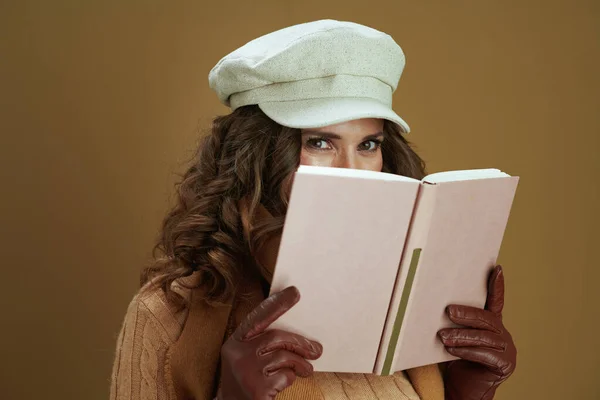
(165,354)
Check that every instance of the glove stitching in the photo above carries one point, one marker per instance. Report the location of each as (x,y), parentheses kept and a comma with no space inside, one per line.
(486,323)
(278,345)
(485,343)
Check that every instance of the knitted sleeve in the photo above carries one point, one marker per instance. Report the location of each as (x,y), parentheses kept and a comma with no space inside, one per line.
(140,368)
(427,382)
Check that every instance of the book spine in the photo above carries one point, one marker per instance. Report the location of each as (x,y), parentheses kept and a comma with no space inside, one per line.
(409,262)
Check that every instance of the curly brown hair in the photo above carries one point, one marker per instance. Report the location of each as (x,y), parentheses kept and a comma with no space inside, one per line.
(247,156)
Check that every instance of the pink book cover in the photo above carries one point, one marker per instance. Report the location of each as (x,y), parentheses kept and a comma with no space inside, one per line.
(453,244)
(341,247)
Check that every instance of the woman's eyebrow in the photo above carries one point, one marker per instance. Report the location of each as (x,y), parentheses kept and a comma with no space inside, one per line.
(331,135)
(326,135)
(373,136)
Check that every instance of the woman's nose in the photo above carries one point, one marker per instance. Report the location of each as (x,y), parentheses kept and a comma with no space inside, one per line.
(347,159)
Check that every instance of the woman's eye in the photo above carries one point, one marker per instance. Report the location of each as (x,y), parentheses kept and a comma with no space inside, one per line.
(319,144)
(370,145)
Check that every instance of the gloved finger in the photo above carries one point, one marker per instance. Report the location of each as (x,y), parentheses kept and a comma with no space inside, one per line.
(280,380)
(287,360)
(259,319)
(495,298)
(274,340)
(474,318)
(459,337)
(494,360)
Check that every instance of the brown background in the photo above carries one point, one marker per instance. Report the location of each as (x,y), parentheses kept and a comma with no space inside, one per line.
(100,104)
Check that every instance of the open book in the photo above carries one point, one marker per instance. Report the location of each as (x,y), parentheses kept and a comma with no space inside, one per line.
(377,257)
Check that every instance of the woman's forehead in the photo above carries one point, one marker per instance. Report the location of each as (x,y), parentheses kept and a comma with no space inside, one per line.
(366,126)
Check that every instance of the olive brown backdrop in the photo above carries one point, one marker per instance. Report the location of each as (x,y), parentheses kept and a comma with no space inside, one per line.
(100,104)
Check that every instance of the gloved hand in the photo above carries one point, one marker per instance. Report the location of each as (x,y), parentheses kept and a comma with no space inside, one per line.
(486,348)
(257,363)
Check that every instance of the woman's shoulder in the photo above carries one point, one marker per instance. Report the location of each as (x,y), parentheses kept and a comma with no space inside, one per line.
(150,304)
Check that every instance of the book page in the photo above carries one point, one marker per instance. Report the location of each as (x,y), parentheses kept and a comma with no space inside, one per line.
(464,175)
(452,247)
(341,247)
(353,173)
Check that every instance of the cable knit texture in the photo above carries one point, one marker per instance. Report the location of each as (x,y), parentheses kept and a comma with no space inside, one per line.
(140,367)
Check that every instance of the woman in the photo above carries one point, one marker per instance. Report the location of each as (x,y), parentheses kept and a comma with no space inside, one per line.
(318,94)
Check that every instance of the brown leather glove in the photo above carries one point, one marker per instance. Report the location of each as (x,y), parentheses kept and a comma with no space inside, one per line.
(486,348)
(257,363)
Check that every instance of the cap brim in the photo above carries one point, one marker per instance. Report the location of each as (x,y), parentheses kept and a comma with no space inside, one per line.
(317,113)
